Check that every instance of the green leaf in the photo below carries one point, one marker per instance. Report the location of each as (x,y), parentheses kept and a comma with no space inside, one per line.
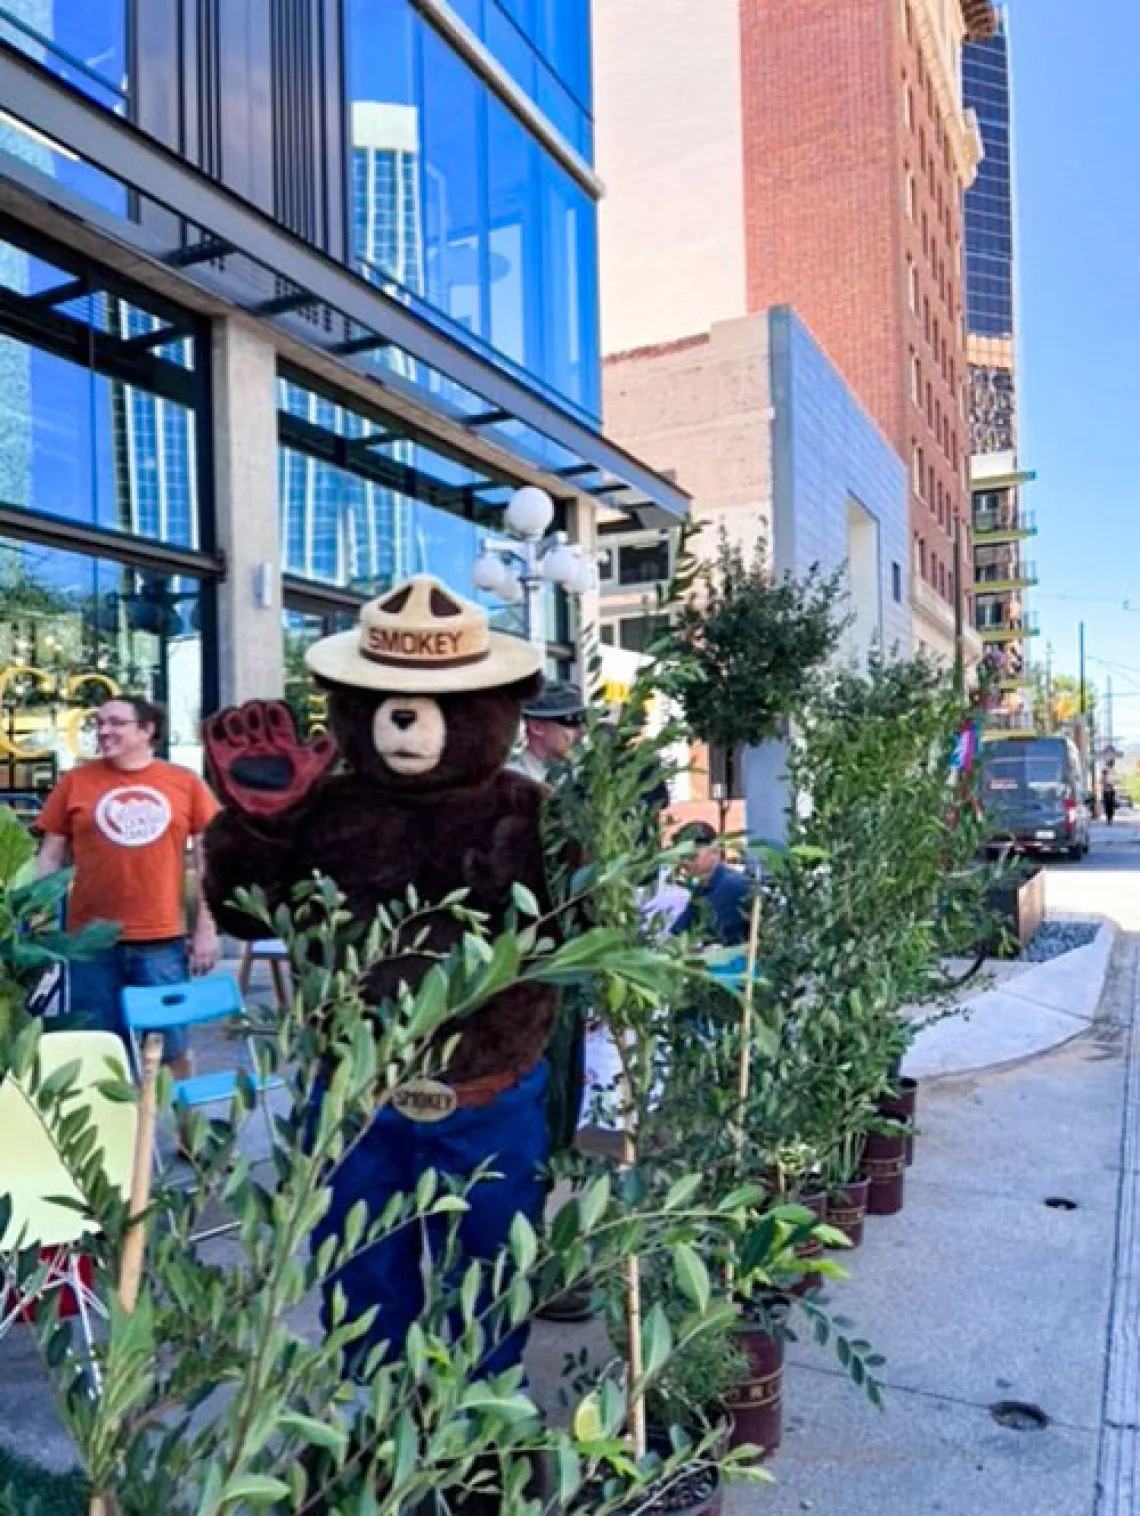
(692,1275)
(523,1243)
(656,1341)
(682,1191)
(524,901)
(321,1434)
(258,1489)
(17,847)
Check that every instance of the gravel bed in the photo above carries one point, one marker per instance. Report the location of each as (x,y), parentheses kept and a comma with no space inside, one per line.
(1057,937)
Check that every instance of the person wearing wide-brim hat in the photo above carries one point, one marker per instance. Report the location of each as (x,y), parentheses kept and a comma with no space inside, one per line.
(425,701)
(552,725)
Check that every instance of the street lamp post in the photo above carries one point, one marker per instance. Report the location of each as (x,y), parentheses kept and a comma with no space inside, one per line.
(517,566)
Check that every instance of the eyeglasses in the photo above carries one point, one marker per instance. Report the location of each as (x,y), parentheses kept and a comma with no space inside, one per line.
(111,723)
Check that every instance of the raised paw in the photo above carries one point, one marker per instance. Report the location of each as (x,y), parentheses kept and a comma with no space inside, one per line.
(258,762)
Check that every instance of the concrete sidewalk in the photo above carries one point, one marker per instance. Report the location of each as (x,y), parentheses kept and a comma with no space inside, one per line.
(979,1292)
(1027,1013)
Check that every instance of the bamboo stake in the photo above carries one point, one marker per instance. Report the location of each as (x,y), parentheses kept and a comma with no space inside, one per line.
(633,1311)
(131,1264)
(745,1080)
(134,1248)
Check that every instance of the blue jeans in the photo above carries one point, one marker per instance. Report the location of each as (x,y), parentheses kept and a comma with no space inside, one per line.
(510,1134)
(97,986)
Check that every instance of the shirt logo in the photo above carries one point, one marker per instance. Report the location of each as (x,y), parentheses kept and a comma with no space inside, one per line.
(133,816)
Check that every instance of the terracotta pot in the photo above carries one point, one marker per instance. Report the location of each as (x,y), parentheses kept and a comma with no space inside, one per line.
(756,1407)
(814,1201)
(884,1165)
(902,1108)
(847,1208)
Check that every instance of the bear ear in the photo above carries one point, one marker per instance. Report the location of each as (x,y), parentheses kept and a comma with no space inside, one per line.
(525,689)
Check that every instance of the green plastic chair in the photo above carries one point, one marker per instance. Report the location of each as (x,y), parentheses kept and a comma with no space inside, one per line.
(31,1172)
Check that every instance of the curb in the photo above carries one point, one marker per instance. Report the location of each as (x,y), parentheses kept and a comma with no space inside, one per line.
(1012,1022)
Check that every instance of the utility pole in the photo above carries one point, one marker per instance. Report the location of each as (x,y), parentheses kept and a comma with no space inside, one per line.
(1048,687)
(1109,734)
(1087,719)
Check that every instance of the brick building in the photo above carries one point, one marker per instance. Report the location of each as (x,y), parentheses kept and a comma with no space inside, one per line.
(809,153)
(857,153)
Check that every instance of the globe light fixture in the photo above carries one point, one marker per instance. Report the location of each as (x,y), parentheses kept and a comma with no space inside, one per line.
(530,512)
(516,567)
(489,573)
(512,590)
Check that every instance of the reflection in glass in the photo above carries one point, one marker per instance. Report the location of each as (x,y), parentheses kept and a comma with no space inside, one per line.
(456,203)
(513,174)
(78,444)
(454,221)
(76,630)
(84,44)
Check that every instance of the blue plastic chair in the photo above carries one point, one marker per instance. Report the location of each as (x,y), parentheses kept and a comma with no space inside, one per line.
(160,1007)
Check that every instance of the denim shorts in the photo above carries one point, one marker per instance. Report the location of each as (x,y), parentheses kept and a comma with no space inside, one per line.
(97,986)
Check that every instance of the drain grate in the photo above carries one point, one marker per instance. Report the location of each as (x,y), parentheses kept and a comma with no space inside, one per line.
(1019,1415)
(1061,1203)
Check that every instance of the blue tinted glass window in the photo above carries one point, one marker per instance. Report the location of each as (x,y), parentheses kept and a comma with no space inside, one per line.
(82,445)
(989,204)
(455,243)
(515,247)
(570,288)
(455,200)
(545,46)
(84,43)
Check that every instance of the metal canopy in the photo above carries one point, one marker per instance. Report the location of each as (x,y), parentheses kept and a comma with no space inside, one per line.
(348,315)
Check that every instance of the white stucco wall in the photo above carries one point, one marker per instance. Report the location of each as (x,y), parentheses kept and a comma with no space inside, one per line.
(668,148)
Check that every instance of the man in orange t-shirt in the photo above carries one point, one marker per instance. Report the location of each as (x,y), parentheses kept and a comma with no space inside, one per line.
(124,820)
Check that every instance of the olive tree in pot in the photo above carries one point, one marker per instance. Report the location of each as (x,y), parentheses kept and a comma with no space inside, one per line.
(878,887)
(215,1398)
(31,941)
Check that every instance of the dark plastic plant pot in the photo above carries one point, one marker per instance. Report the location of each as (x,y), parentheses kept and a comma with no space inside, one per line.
(884,1165)
(814,1201)
(756,1407)
(700,1493)
(847,1209)
(903,1107)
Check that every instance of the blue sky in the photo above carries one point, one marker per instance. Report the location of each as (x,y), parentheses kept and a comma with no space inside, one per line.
(1077,142)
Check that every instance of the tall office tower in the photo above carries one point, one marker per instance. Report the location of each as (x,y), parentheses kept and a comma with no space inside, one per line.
(990,249)
(814,154)
(1003,574)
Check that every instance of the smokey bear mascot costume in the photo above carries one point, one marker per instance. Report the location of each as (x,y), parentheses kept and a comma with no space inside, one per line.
(424,706)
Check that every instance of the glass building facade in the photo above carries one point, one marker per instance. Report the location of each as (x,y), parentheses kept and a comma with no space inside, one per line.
(989,201)
(396,201)
(457,203)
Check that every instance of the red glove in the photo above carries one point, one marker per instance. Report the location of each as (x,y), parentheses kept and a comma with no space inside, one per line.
(258,763)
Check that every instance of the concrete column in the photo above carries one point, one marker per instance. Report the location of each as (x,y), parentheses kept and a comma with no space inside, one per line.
(767,793)
(245,480)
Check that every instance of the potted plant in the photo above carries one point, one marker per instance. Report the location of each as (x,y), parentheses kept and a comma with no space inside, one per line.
(32,943)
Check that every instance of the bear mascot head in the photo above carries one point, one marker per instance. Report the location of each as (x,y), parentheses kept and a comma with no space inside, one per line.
(409,788)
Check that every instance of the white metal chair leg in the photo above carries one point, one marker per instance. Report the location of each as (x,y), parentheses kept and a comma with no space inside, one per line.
(79,1289)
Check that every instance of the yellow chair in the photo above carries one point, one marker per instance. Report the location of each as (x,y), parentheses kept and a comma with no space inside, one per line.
(31,1171)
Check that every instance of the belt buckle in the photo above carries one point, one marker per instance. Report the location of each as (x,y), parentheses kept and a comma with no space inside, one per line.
(426,1101)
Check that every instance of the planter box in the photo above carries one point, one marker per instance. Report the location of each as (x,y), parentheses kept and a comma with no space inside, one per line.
(1019,904)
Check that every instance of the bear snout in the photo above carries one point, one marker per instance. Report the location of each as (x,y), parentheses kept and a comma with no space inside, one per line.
(409,733)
